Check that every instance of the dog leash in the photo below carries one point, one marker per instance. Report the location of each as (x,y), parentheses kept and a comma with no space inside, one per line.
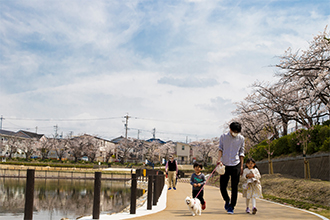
(206,181)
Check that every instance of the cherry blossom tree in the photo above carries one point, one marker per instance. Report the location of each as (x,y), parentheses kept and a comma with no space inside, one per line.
(152,151)
(126,147)
(166,149)
(44,147)
(310,69)
(10,145)
(303,137)
(137,150)
(301,94)
(109,151)
(256,120)
(60,147)
(91,147)
(28,146)
(206,149)
(76,147)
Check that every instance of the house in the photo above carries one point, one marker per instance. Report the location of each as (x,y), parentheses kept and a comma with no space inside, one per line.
(102,147)
(27,134)
(6,135)
(184,153)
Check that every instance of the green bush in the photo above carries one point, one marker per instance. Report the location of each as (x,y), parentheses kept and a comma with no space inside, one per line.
(315,134)
(326,123)
(281,146)
(324,133)
(311,148)
(293,143)
(326,145)
(258,152)
(318,140)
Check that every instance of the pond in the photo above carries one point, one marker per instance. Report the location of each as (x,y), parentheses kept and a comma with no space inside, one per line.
(56,199)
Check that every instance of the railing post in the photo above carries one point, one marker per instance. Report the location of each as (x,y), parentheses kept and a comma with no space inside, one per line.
(97,192)
(158,187)
(133,194)
(29,195)
(154,199)
(149,199)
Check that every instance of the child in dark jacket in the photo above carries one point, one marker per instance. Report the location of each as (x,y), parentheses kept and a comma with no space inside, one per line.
(197,180)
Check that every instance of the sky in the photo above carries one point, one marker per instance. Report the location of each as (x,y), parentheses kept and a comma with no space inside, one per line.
(176,66)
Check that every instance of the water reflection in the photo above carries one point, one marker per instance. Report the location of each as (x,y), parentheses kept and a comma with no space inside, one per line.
(55,199)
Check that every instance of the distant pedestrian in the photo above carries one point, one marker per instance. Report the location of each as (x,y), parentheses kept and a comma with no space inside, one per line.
(197,180)
(231,154)
(171,169)
(251,185)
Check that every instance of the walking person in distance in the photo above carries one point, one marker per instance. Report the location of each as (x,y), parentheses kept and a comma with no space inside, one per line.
(172,169)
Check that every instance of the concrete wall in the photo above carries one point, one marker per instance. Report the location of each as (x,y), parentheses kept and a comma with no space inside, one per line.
(294,166)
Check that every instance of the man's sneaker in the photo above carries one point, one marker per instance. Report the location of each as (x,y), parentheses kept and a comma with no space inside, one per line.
(230,210)
(227,206)
(247,210)
(169,188)
(254,210)
(204,206)
(174,188)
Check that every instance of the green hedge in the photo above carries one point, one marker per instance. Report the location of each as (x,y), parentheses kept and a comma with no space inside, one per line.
(319,140)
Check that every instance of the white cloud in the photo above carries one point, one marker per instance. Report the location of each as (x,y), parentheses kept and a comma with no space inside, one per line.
(173,65)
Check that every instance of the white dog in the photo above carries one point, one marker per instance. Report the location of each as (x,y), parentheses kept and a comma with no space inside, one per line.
(194,206)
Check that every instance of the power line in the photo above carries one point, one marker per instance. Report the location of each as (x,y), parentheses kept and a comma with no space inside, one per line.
(61,119)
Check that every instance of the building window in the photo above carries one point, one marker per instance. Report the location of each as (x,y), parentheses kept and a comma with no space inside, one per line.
(182,147)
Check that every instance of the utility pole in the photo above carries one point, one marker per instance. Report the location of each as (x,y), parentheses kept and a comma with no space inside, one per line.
(154,133)
(1,121)
(138,137)
(55,127)
(126,124)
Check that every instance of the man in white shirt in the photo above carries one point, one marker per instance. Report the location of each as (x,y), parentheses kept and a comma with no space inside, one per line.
(231,154)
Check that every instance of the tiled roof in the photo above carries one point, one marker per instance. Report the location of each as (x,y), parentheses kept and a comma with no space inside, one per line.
(117,140)
(28,134)
(9,133)
(156,140)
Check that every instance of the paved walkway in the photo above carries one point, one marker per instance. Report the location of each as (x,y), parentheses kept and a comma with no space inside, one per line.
(177,209)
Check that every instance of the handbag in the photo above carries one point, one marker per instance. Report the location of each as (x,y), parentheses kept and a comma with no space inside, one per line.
(221,169)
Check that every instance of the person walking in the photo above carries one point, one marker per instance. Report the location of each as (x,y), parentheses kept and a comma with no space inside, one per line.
(251,185)
(231,154)
(171,169)
(197,180)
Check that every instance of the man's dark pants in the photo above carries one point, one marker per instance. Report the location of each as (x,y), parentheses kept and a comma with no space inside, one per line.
(234,173)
